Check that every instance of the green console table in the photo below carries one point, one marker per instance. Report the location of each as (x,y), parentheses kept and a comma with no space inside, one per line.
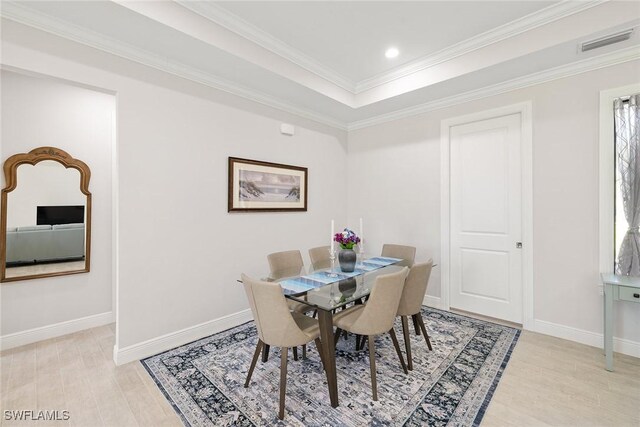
(616,288)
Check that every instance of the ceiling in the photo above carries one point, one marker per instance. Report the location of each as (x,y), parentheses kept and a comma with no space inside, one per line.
(325,60)
(350,37)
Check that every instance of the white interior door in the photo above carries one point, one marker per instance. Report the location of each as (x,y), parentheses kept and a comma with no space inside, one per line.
(485,217)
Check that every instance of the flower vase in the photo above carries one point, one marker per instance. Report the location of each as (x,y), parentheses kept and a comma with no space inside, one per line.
(347,259)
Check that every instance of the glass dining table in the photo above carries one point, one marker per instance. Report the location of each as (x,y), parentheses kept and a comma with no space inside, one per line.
(325,288)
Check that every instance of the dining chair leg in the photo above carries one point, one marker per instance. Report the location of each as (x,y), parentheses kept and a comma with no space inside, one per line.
(415,324)
(397,347)
(320,351)
(304,352)
(253,363)
(424,331)
(265,353)
(358,337)
(372,366)
(345,335)
(336,336)
(283,379)
(295,353)
(362,341)
(407,341)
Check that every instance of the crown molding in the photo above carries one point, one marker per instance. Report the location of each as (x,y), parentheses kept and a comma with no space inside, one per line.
(24,15)
(526,23)
(234,23)
(602,61)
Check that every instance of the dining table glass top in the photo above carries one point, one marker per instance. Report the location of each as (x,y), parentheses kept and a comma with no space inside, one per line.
(342,290)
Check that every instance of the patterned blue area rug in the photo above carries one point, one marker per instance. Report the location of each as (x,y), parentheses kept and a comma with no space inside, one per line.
(451,385)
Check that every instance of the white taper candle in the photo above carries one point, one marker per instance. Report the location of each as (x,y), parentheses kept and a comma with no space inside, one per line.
(361,237)
(333,224)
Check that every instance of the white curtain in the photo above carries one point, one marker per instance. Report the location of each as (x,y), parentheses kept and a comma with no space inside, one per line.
(627,123)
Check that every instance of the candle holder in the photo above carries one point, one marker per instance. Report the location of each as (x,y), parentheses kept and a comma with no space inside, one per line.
(332,257)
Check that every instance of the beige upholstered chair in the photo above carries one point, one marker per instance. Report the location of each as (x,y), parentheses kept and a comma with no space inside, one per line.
(287,260)
(320,257)
(277,326)
(407,253)
(287,264)
(415,288)
(376,317)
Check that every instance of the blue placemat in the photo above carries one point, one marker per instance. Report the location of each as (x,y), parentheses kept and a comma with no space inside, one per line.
(318,279)
(299,285)
(328,276)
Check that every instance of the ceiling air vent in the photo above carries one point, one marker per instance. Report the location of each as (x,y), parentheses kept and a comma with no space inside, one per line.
(606,41)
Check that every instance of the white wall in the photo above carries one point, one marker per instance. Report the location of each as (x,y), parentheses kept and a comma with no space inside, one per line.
(397,189)
(179,251)
(41,112)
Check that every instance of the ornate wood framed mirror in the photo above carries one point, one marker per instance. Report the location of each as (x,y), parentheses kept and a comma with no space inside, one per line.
(45,228)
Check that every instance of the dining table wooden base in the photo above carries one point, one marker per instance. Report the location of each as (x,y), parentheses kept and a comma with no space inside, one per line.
(325,321)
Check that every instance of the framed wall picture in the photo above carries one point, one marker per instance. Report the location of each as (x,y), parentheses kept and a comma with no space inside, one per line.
(266,187)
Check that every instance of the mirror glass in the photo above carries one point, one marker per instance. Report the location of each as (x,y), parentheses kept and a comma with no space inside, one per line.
(46,231)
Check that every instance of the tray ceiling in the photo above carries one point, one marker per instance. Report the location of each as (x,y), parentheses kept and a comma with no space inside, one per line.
(350,37)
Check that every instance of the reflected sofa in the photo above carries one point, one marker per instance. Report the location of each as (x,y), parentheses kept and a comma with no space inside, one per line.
(45,243)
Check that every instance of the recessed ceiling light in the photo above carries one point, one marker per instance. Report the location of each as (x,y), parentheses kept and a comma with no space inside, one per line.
(392,52)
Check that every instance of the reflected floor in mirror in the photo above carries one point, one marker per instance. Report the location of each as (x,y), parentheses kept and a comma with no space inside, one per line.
(28,270)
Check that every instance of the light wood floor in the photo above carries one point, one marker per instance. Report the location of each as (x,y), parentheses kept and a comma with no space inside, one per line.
(548,381)
(52,267)
(76,373)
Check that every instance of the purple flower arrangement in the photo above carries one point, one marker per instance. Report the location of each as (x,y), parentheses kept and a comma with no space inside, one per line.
(347,239)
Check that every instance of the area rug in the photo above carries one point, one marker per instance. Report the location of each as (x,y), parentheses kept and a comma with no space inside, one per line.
(451,385)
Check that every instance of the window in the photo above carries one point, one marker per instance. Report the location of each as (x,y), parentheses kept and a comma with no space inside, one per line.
(627,186)
(621,224)
(609,179)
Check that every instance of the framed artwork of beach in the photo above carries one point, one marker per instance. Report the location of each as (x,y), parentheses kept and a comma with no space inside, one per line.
(266,187)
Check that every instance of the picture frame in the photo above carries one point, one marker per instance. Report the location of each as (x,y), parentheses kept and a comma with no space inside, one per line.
(257,186)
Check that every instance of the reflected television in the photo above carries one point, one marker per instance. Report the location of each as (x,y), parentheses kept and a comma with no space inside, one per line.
(52,215)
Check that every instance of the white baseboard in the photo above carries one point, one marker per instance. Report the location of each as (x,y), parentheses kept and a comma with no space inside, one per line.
(430,301)
(620,345)
(175,339)
(57,329)
(624,346)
